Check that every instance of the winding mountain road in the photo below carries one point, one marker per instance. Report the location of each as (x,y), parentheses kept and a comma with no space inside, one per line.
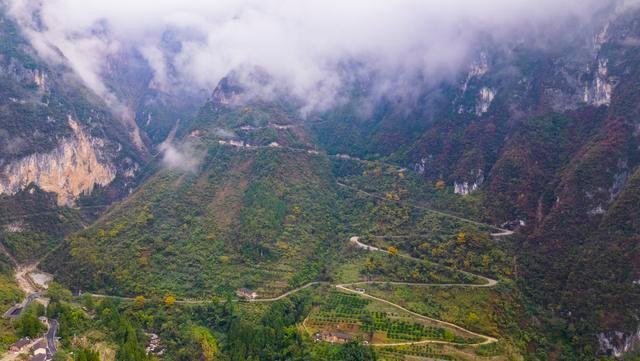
(487,339)
(489,281)
(501,231)
(32,292)
(50,336)
(241,144)
(345,287)
(25,282)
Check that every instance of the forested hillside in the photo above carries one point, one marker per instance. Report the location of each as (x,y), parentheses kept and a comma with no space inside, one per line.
(550,145)
(487,210)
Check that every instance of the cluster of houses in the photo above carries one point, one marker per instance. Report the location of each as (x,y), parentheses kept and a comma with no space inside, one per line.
(38,350)
(246,293)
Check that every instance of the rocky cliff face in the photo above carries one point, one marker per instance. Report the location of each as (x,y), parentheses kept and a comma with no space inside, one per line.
(60,145)
(73,168)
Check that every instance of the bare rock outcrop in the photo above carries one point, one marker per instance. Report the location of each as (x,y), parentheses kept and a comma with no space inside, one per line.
(74,167)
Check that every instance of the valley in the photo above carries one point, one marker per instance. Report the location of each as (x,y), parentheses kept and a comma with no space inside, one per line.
(320,181)
(267,294)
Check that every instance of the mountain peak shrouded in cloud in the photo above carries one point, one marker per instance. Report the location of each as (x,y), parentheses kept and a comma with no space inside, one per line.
(301,44)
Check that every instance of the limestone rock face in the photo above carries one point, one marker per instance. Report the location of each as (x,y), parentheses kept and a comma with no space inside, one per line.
(74,167)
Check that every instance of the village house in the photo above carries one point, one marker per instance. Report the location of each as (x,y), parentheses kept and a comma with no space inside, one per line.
(333,337)
(39,357)
(281,126)
(20,344)
(246,293)
(40,348)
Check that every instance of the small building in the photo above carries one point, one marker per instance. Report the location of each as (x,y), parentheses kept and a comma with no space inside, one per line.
(332,337)
(246,293)
(40,348)
(154,345)
(20,344)
(39,357)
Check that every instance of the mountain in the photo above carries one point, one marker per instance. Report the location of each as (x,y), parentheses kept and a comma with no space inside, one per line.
(60,147)
(237,218)
(489,214)
(547,138)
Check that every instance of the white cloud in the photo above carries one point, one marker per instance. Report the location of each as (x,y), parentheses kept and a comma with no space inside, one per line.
(180,157)
(299,43)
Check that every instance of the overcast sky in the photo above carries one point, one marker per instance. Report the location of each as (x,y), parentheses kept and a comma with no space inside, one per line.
(298,42)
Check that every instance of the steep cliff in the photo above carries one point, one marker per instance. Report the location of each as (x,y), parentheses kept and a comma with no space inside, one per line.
(60,145)
(71,169)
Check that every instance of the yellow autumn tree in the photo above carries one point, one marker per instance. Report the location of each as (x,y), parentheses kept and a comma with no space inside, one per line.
(139,301)
(392,250)
(169,300)
(392,196)
(440,184)
(472,318)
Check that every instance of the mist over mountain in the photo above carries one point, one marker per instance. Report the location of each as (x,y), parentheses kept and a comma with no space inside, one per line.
(321,180)
(312,49)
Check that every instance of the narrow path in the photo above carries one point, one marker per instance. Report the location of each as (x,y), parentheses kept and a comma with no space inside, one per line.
(501,231)
(487,339)
(345,287)
(489,281)
(286,294)
(16,217)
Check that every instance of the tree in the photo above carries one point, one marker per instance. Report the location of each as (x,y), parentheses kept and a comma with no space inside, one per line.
(472,318)
(57,292)
(440,185)
(28,324)
(169,300)
(392,250)
(448,335)
(87,301)
(86,355)
(139,301)
(61,356)
(205,343)
(130,349)
(354,351)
